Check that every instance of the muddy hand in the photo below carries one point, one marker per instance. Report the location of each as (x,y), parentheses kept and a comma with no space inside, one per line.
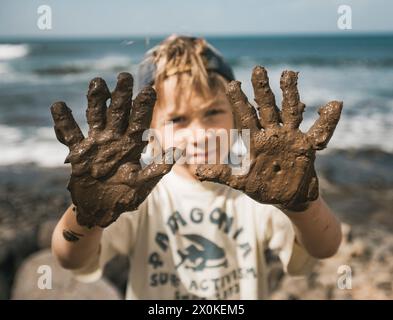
(282,157)
(107,178)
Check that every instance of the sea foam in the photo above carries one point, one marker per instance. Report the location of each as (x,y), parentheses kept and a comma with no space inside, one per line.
(13,51)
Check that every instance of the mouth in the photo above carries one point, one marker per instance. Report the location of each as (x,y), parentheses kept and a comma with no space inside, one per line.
(204,156)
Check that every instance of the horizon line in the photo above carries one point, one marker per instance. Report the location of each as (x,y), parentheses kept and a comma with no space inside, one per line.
(345,33)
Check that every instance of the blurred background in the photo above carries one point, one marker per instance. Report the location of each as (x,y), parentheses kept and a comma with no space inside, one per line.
(84,40)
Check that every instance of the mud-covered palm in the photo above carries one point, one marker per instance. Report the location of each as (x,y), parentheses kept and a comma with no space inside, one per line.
(282,157)
(107,178)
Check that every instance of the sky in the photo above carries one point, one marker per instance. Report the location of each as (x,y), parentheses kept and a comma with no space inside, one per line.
(116,18)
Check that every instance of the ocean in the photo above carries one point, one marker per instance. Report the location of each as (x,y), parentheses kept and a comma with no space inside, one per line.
(355,69)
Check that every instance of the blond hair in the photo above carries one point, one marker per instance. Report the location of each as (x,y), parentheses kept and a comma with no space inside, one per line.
(182,57)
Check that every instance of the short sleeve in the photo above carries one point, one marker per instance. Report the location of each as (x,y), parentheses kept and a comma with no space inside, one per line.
(281,239)
(117,239)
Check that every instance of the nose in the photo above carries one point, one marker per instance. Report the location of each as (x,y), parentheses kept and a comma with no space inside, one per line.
(199,133)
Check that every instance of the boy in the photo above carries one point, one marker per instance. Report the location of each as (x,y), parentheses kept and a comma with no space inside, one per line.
(185,238)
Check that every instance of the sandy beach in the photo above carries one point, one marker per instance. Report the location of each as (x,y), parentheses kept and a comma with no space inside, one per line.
(358,186)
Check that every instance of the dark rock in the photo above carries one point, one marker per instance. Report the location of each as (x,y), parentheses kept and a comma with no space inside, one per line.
(367,168)
(117,272)
(4,287)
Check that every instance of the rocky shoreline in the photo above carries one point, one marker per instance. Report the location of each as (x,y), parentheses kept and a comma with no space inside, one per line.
(358,185)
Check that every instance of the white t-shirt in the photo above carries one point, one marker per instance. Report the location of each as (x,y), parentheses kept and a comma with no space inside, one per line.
(199,240)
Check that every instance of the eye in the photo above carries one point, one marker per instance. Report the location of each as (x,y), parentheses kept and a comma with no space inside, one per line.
(178,119)
(213,112)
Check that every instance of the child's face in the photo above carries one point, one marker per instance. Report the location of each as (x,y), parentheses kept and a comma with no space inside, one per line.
(193,121)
